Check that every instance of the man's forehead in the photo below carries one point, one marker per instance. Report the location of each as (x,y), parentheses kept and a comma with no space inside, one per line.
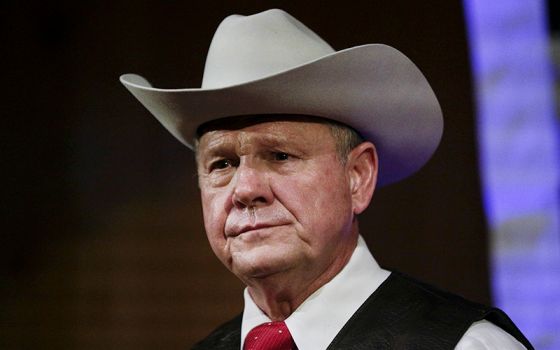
(217,139)
(278,131)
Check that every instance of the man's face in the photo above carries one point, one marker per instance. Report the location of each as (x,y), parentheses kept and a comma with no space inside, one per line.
(276,198)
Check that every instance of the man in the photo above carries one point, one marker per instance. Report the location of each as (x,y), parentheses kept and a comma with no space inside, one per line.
(291,139)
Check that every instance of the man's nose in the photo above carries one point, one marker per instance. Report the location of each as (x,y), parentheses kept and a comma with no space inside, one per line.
(251,186)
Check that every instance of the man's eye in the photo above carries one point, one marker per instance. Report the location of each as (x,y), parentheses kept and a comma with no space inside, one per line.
(281,156)
(221,164)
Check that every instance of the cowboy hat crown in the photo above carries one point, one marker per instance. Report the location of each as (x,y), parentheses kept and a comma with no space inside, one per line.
(247,48)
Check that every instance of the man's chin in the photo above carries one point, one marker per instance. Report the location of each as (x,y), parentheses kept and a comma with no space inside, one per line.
(252,266)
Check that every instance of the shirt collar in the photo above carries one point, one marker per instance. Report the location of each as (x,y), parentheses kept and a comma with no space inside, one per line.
(316,322)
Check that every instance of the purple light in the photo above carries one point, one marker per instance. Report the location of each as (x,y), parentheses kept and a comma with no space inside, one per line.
(519,154)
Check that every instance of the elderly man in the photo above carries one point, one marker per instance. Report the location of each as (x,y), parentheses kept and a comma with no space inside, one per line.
(291,139)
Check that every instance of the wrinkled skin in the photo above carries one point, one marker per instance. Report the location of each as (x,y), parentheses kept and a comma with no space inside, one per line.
(280,207)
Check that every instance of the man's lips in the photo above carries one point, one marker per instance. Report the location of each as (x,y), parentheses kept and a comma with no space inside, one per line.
(236,231)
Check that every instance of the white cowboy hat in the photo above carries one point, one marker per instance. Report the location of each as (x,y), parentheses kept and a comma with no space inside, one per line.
(270,63)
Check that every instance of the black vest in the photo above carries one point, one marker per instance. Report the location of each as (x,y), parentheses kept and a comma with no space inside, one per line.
(401,314)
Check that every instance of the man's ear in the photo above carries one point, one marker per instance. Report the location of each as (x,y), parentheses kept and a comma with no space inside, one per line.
(362,168)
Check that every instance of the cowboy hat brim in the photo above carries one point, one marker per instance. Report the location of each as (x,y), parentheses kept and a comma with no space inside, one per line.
(373,88)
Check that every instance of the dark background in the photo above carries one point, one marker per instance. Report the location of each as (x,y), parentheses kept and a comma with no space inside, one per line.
(103,244)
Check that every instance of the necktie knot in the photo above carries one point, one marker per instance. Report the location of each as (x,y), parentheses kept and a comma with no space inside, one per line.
(269,336)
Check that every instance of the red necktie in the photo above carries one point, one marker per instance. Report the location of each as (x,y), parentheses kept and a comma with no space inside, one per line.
(269,336)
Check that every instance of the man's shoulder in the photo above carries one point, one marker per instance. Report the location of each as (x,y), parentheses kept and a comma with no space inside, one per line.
(406,311)
(457,308)
(225,337)
(485,335)
(421,292)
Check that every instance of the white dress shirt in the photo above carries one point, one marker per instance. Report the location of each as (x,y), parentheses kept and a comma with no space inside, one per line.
(316,322)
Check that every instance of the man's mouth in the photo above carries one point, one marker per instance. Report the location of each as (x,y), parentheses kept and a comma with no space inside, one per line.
(237,231)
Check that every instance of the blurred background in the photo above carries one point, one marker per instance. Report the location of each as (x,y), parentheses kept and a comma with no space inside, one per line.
(102,243)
